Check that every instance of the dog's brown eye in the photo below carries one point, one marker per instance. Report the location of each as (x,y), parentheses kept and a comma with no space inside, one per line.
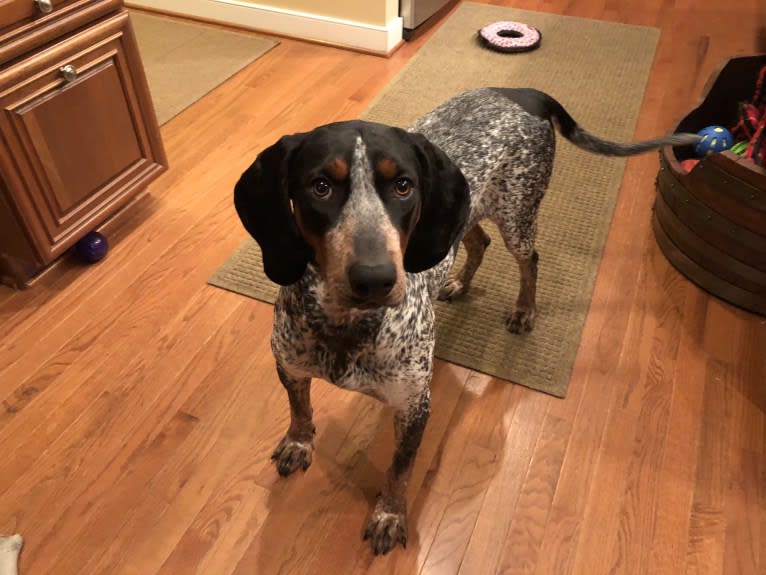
(321,188)
(403,187)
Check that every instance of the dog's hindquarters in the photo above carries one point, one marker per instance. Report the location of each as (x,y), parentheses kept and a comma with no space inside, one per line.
(512,197)
(503,140)
(506,155)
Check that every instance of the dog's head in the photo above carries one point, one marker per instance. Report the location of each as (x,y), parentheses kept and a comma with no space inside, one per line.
(365,202)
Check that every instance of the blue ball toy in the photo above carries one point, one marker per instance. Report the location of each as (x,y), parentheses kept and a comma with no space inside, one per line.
(92,247)
(714,139)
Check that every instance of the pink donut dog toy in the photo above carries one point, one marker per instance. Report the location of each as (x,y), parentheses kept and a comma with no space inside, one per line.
(510,37)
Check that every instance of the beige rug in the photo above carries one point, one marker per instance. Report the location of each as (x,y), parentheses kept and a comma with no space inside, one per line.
(185,60)
(598,70)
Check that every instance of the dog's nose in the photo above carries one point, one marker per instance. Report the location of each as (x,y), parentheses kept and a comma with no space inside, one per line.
(372,281)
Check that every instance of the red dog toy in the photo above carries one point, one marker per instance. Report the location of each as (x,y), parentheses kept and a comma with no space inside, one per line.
(752,122)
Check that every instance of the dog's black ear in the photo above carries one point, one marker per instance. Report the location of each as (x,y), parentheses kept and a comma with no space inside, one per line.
(443,211)
(263,204)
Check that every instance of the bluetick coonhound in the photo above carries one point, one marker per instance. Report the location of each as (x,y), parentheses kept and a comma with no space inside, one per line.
(359,223)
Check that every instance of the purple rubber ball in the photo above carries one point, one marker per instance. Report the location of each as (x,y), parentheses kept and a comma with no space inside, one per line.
(92,247)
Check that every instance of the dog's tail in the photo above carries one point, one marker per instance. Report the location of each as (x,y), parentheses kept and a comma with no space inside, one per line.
(545,106)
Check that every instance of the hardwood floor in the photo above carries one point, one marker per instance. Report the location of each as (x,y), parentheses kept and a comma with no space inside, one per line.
(140,406)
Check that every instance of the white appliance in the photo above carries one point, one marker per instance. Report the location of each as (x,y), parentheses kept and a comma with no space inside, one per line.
(415,12)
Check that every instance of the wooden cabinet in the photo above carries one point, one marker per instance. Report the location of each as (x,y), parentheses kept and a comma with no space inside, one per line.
(78,132)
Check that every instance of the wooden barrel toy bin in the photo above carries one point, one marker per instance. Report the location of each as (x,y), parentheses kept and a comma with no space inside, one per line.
(710,223)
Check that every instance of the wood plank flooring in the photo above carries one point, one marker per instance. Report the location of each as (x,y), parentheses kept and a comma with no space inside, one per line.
(140,406)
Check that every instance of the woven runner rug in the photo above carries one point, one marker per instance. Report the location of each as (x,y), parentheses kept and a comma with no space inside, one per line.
(185,60)
(598,70)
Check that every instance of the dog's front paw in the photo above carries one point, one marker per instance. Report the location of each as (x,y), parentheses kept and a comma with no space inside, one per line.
(385,529)
(452,288)
(291,454)
(520,320)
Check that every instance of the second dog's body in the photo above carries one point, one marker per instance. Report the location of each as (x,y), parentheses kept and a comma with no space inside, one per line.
(359,222)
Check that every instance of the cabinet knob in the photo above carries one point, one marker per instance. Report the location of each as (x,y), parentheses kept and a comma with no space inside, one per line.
(45,6)
(68,72)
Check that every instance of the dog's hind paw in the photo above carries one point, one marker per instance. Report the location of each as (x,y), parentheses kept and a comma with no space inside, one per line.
(291,455)
(385,530)
(520,320)
(453,288)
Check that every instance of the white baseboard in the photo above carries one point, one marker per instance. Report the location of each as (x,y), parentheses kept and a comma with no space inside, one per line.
(348,33)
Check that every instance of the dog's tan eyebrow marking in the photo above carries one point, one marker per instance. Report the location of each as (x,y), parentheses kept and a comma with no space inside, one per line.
(387,168)
(338,169)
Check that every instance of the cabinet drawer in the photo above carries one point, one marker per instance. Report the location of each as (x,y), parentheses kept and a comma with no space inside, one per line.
(81,131)
(16,13)
(28,24)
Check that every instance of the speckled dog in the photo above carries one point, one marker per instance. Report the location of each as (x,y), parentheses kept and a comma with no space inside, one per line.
(360,222)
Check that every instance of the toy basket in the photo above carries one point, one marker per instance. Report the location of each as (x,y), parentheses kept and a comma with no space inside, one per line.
(711,222)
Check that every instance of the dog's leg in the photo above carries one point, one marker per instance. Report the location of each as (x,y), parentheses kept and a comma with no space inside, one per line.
(295,449)
(520,241)
(388,524)
(521,318)
(475,241)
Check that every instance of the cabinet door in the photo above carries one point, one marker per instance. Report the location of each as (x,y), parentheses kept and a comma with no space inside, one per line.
(81,132)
